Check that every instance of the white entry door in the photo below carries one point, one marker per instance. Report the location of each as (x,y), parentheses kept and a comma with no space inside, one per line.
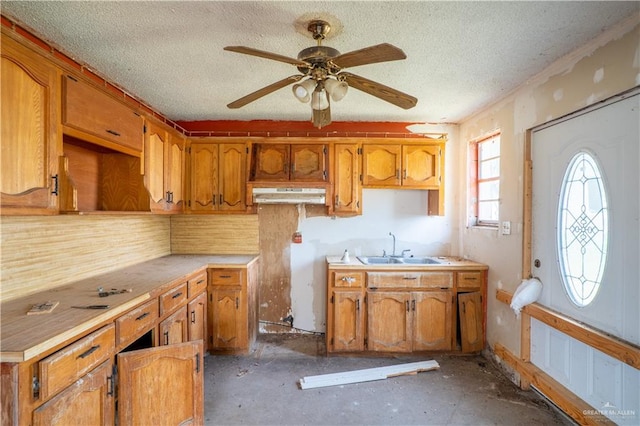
(598,152)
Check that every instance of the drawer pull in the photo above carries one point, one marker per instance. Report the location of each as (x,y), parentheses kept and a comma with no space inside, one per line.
(469,278)
(225,276)
(200,282)
(88,352)
(113,132)
(146,314)
(409,278)
(348,279)
(178,294)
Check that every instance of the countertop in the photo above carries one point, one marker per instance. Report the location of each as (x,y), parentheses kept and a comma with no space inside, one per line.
(446,263)
(23,336)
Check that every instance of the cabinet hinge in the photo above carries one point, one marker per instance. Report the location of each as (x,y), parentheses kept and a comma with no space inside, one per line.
(35,387)
(359,151)
(324,150)
(111,390)
(198,362)
(56,184)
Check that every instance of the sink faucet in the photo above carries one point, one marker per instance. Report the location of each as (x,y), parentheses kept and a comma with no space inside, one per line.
(393,254)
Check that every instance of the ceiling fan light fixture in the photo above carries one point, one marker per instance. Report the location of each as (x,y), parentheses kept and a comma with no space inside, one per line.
(319,98)
(302,91)
(336,89)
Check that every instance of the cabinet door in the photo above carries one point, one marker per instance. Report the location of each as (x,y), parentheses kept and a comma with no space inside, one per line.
(29,160)
(348,331)
(389,321)
(346,177)
(174,173)
(161,386)
(271,162)
(381,165)
(100,117)
(70,407)
(421,166)
(155,143)
(197,317)
(228,318)
(471,315)
(432,320)
(309,163)
(174,329)
(204,177)
(233,177)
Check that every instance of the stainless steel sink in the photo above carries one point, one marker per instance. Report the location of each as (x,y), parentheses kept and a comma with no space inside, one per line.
(397,261)
(420,261)
(379,260)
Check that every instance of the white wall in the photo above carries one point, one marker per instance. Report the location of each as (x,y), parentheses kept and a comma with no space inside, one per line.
(602,68)
(402,212)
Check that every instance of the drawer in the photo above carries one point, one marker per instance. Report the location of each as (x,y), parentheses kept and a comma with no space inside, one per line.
(197,284)
(173,299)
(470,280)
(133,324)
(410,279)
(64,367)
(348,279)
(226,277)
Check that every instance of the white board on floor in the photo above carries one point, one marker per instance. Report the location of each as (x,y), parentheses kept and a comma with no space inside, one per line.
(366,375)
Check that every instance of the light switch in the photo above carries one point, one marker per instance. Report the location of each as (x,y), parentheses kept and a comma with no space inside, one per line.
(506,228)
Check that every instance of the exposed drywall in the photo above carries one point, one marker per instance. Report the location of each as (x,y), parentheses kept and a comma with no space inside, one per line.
(604,67)
(40,252)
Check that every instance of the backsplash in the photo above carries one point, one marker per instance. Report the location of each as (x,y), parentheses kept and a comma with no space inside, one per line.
(40,252)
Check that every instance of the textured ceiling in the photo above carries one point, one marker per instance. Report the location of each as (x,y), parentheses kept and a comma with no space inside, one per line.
(461,56)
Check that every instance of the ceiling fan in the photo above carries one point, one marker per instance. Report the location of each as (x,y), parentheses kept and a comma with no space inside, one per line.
(321,68)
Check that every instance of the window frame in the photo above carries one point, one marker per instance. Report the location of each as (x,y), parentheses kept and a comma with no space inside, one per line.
(474,181)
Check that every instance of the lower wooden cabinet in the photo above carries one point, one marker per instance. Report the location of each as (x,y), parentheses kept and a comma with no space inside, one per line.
(386,310)
(70,407)
(174,329)
(232,310)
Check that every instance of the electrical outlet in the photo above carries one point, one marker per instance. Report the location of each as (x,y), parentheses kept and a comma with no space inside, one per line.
(506,228)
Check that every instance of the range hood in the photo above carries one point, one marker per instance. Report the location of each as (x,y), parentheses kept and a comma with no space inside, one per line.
(289,195)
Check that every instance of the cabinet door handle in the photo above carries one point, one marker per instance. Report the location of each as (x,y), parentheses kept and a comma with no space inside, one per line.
(357,304)
(213,199)
(337,201)
(113,132)
(221,199)
(193,317)
(397,173)
(237,303)
(88,352)
(413,305)
(146,314)
(404,174)
(407,303)
(178,294)
(166,337)
(54,191)
(111,388)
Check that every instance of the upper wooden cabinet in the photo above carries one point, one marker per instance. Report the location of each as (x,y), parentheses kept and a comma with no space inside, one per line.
(284,162)
(93,115)
(164,168)
(30,149)
(409,166)
(346,180)
(217,176)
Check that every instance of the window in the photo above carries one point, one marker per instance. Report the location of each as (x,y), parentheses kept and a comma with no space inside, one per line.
(485,181)
(583,229)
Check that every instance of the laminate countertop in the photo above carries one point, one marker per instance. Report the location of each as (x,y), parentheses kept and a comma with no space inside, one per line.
(448,263)
(23,336)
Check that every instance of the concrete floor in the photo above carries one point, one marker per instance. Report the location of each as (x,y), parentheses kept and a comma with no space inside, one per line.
(262,389)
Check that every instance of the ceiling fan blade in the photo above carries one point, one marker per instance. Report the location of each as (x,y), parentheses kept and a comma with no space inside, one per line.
(369,55)
(378,90)
(267,55)
(264,91)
